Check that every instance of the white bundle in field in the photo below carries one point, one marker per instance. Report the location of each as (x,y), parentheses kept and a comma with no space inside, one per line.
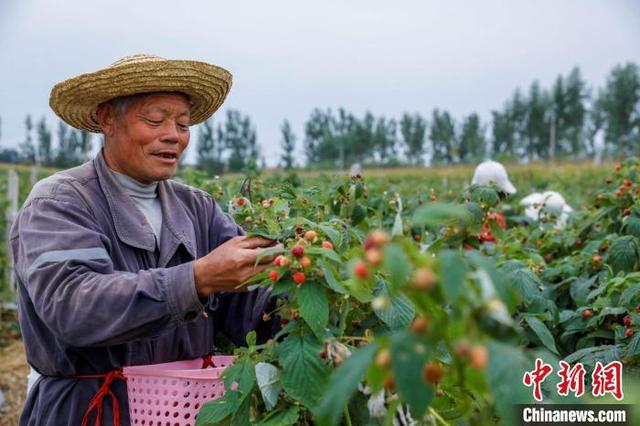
(546,203)
(355,169)
(493,172)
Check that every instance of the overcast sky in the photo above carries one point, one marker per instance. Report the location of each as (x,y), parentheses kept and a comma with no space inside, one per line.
(288,57)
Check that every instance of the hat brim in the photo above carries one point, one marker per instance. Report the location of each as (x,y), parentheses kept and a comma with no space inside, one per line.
(76,100)
(508,187)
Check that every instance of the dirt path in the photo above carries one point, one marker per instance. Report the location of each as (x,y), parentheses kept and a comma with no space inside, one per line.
(13,382)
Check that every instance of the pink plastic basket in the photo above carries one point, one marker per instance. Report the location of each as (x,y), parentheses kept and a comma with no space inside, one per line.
(171,394)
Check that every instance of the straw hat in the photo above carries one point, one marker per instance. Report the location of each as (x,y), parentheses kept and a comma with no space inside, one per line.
(75,100)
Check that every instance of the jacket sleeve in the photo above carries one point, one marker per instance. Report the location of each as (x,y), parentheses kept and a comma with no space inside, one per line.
(237,314)
(63,260)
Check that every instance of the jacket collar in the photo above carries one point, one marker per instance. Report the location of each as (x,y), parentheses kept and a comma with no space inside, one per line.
(132,227)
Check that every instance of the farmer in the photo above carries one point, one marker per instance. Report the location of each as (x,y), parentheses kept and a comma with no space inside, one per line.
(493,172)
(119,265)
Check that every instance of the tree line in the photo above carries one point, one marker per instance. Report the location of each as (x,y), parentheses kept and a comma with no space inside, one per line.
(559,122)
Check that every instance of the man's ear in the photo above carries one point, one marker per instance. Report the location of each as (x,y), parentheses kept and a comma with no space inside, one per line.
(106,116)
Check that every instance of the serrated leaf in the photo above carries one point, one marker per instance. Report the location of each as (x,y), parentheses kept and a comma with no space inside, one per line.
(623,254)
(342,383)
(507,391)
(408,355)
(326,253)
(214,412)
(437,214)
(629,295)
(526,282)
(397,264)
(281,418)
(303,373)
(314,307)
(268,379)
(543,333)
(632,226)
(400,312)
(452,270)
(485,195)
(330,278)
(333,235)
(633,347)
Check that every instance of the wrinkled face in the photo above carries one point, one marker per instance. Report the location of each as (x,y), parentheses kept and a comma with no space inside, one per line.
(146,140)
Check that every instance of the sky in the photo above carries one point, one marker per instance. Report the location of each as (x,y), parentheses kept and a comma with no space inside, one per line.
(289,57)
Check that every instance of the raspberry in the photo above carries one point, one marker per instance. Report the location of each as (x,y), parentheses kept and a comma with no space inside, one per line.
(297,251)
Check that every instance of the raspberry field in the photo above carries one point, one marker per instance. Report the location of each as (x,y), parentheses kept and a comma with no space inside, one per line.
(396,309)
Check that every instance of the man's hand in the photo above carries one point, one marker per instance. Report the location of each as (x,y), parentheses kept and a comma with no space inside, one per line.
(230,264)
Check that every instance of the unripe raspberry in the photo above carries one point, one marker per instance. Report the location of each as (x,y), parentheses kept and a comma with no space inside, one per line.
(479,356)
(311,236)
(305,262)
(420,325)
(383,358)
(327,245)
(424,278)
(432,372)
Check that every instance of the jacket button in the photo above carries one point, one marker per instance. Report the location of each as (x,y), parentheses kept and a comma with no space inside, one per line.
(190,315)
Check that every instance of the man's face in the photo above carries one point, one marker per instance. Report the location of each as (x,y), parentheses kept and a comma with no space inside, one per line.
(147,141)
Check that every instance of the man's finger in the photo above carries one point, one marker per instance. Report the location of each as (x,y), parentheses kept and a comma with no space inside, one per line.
(256,242)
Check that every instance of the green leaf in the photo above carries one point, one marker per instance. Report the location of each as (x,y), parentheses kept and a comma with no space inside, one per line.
(303,372)
(268,379)
(629,296)
(400,312)
(542,332)
(633,347)
(342,383)
(268,252)
(408,355)
(282,287)
(504,362)
(330,278)
(242,374)
(475,211)
(333,235)
(526,282)
(632,226)
(623,254)
(214,412)
(485,195)
(397,264)
(251,338)
(281,418)
(242,416)
(327,253)
(452,270)
(358,215)
(314,307)
(437,214)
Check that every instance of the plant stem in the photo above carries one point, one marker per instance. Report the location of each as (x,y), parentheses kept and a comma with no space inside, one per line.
(435,414)
(347,416)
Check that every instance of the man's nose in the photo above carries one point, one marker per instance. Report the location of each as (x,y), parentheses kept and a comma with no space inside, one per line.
(170,132)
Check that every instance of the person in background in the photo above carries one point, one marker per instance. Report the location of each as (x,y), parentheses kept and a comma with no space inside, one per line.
(116,263)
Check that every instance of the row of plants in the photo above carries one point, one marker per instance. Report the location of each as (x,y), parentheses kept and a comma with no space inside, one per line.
(404,304)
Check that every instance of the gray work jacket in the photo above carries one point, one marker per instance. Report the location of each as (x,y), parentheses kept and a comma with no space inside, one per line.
(95,295)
